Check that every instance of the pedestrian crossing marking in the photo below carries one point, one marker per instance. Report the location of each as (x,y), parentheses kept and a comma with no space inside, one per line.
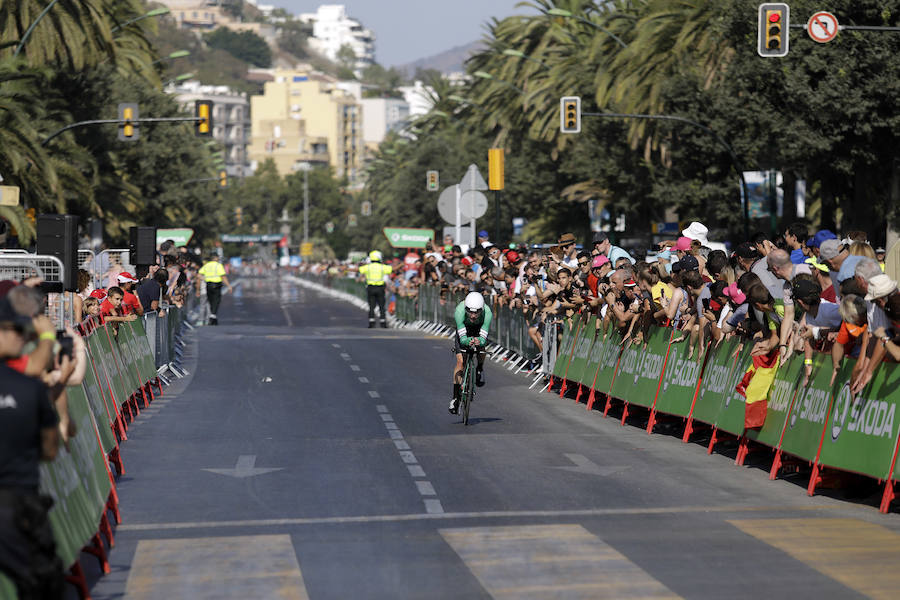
(542,561)
(861,555)
(260,566)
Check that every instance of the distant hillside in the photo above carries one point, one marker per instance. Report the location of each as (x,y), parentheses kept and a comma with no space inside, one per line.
(449,61)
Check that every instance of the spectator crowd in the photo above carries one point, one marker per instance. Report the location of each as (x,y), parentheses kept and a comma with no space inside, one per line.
(799,292)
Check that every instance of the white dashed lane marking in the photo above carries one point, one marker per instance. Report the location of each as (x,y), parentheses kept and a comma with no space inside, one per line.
(425,488)
(354,367)
(374,394)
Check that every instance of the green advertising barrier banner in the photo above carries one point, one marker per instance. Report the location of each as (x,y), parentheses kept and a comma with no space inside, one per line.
(861,432)
(110,365)
(7,588)
(142,349)
(605,355)
(102,415)
(778,408)
(78,482)
(732,413)
(127,362)
(570,331)
(679,384)
(809,412)
(721,374)
(106,381)
(640,368)
(582,350)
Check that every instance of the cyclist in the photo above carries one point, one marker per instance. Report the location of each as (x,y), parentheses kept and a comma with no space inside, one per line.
(473,321)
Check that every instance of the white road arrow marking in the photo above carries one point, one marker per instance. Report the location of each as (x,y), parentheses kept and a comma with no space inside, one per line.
(244,468)
(586,466)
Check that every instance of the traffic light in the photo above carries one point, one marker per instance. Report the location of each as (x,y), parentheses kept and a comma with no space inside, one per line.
(773,34)
(223,178)
(238,215)
(570,114)
(495,168)
(128,129)
(203,110)
(432,181)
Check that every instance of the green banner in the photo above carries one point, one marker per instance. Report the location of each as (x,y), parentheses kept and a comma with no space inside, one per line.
(731,417)
(679,382)
(78,482)
(721,375)
(103,415)
(107,369)
(605,355)
(400,237)
(566,346)
(640,368)
(127,359)
(861,432)
(809,412)
(582,351)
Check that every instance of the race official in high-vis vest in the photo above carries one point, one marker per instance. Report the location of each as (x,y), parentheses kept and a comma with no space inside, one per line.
(213,274)
(375,273)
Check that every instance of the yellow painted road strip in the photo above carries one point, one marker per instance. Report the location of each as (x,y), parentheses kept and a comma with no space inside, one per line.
(861,555)
(550,561)
(260,566)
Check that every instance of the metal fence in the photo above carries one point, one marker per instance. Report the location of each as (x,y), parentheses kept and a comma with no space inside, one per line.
(19,265)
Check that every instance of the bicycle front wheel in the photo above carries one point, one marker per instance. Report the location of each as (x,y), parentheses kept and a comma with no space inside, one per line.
(469,390)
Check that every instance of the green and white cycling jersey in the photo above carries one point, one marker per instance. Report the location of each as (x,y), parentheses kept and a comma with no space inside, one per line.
(468,327)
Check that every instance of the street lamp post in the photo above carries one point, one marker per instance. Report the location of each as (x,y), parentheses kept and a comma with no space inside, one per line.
(561,12)
(486,75)
(172,56)
(522,55)
(305,167)
(32,26)
(156,12)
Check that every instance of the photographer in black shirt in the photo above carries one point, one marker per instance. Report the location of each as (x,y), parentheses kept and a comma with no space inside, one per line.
(28,433)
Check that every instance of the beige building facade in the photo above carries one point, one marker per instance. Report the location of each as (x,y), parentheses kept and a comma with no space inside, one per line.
(304,117)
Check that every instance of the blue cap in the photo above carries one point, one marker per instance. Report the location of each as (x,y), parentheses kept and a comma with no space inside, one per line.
(821,236)
(483,233)
(665,255)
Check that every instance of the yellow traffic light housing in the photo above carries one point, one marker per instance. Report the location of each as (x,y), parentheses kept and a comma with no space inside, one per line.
(239,215)
(128,127)
(432,181)
(773,35)
(223,178)
(495,168)
(570,114)
(203,110)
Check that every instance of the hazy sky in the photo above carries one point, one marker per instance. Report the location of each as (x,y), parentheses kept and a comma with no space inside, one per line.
(407,30)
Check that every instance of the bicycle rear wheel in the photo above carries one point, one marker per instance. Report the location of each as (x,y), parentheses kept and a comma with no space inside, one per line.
(469,389)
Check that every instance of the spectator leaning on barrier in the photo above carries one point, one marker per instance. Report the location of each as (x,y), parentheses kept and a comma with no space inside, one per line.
(853,334)
(213,273)
(795,236)
(130,303)
(111,310)
(28,434)
(839,261)
(881,292)
(149,290)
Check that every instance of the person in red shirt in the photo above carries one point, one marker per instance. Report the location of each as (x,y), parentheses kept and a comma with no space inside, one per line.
(110,310)
(130,302)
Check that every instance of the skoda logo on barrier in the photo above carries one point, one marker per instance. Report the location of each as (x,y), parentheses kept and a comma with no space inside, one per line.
(842,405)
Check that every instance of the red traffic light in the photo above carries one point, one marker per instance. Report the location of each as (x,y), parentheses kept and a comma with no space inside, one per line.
(774,17)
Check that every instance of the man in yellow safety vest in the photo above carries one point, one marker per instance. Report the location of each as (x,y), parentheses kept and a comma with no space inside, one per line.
(214,274)
(375,273)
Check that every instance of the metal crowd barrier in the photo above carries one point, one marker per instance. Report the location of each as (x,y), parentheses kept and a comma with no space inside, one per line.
(19,265)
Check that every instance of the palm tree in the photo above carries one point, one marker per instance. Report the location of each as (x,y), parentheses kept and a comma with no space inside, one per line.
(74,33)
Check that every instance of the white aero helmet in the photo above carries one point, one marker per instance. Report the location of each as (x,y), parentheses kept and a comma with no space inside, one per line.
(375,256)
(474,301)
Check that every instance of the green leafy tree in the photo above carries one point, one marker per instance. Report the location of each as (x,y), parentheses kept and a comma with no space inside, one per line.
(245,45)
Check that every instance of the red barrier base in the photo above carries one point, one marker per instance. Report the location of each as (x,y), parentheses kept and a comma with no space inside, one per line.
(116,459)
(592,397)
(106,530)
(578,395)
(99,550)
(651,422)
(76,578)
(112,504)
(562,388)
(719,436)
(887,497)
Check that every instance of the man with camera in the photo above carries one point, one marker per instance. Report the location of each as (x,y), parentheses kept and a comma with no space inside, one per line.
(28,434)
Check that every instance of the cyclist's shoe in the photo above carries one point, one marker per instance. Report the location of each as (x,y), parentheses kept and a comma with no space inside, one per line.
(479,377)
(454,406)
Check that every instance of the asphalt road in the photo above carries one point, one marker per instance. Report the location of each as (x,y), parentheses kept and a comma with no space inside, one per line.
(309,457)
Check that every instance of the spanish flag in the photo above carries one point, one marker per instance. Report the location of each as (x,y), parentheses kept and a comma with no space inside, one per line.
(754,387)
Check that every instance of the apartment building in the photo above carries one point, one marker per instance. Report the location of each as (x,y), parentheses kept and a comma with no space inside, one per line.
(305,117)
